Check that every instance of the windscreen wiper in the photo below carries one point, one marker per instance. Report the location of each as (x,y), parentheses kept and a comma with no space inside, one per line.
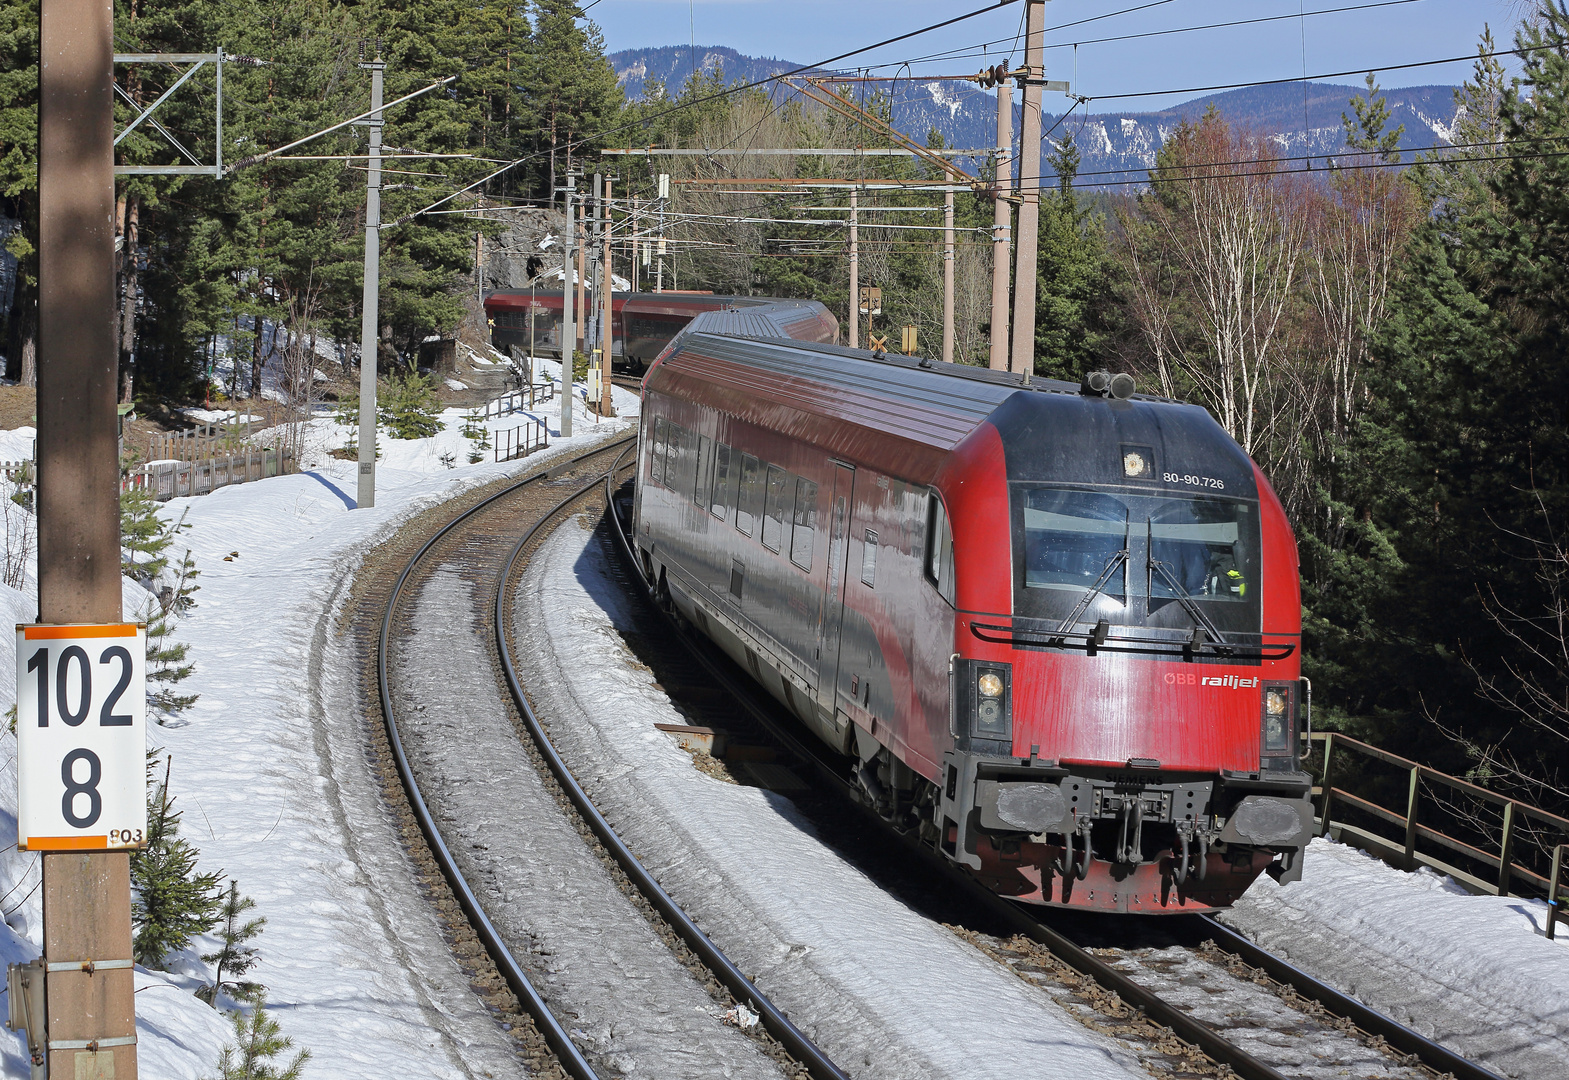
(1185,598)
(1095,590)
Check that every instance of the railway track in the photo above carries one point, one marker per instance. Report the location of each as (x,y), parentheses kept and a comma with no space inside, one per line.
(1241,1008)
(575,948)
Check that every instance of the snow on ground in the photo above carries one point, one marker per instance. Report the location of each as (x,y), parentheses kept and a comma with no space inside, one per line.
(1477,973)
(883,990)
(17,444)
(271,772)
(451,447)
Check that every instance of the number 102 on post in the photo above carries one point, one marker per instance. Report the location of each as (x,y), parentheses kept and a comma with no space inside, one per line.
(81,735)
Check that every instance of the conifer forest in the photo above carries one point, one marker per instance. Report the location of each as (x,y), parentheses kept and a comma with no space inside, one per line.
(1387,337)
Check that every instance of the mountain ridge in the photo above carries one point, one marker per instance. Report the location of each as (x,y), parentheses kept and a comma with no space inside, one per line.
(1116,148)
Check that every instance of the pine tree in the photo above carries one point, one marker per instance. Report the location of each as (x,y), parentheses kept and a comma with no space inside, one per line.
(235,956)
(569,89)
(144,537)
(260,1040)
(19,177)
(1070,276)
(171,902)
(408,405)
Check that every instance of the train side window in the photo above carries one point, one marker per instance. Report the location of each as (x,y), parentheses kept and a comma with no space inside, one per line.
(773,507)
(705,465)
(749,495)
(805,525)
(656,452)
(675,454)
(939,548)
(869,559)
(719,500)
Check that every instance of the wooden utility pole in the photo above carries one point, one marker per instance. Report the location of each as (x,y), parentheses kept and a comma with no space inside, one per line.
(91,1009)
(606,309)
(1002,217)
(1029,190)
(947,276)
(855,276)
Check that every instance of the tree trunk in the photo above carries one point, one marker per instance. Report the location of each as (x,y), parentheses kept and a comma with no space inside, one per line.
(130,284)
(24,335)
(256,355)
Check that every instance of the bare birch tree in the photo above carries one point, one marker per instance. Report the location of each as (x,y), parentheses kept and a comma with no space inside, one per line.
(1216,273)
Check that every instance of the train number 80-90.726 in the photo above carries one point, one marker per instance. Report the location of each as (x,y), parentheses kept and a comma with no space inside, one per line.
(1194,481)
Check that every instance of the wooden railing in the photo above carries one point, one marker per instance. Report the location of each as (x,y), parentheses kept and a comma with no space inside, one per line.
(200,443)
(521,441)
(170,479)
(1480,832)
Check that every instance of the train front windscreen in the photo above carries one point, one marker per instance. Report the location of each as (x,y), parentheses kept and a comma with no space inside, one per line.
(1141,559)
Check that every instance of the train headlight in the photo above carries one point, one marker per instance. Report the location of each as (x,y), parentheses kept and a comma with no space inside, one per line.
(991,709)
(1278,724)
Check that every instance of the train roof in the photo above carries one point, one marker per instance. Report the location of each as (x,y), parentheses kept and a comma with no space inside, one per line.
(900,413)
(670,303)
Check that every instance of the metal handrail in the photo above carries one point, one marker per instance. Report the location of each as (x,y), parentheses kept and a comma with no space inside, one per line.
(1514,811)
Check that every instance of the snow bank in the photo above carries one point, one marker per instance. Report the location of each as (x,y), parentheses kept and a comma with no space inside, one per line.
(1477,973)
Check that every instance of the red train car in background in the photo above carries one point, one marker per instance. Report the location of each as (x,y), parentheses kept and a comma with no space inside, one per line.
(1054,629)
(642,324)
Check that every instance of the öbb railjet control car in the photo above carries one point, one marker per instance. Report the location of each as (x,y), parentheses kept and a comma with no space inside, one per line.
(1053,628)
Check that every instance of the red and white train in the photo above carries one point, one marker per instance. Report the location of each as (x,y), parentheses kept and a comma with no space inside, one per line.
(1054,628)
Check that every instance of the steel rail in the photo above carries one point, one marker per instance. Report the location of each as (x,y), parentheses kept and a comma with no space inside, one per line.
(1024,922)
(1391,1031)
(777,1024)
(555,1035)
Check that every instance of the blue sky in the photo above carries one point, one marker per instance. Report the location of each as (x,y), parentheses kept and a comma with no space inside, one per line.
(808,31)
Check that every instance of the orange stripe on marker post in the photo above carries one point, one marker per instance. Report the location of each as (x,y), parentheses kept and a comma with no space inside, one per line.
(65,843)
(37,633)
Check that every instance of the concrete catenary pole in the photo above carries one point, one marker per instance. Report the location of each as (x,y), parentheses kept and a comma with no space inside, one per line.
(1002,217)
(580,242)
(371,301)
(568,310)
(947,276)
(1029,191)
(86,895)
(855,277)
(606,309)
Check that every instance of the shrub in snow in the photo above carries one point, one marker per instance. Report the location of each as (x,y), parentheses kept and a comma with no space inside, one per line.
(145,539)
(235,956)
(21,528)
(409,406)
(170,903)
(260,1040)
